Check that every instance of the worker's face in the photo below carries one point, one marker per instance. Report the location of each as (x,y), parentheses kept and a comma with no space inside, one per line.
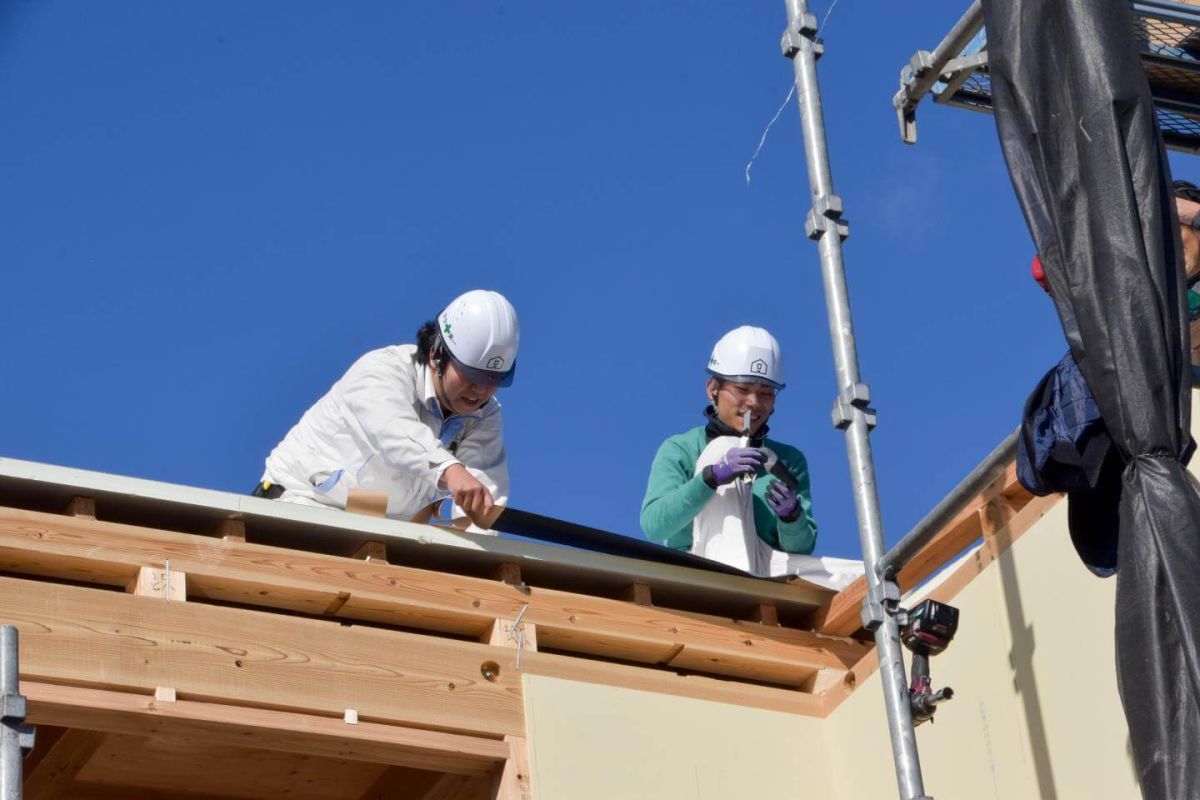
(457,394)
(1191,240)
(732,400)
(1191,250)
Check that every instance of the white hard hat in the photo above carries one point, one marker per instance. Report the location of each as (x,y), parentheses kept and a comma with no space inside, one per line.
(748,355)
(480,332)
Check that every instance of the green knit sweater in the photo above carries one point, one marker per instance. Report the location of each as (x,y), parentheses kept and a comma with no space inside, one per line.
(675,494)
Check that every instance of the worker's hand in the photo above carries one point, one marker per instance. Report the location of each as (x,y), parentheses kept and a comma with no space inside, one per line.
(783,501)
(469,494)
(736,462)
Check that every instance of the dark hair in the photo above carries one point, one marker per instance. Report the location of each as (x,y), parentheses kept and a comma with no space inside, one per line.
(427,339)
(1186,190)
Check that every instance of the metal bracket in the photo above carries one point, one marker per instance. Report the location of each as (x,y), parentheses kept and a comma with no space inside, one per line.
(853,400)
(829,205)
(12,707)
(906,108)
(26,739)
(920,63)
(792,40)
(12,717)
(826,213)
(816,225)
(878,604)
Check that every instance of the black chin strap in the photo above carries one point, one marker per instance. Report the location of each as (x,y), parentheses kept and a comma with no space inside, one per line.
(716,427)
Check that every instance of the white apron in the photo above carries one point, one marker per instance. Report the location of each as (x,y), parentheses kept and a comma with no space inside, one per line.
(724,531)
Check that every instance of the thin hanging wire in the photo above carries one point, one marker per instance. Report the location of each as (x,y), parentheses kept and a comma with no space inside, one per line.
(791,91)
(763,139)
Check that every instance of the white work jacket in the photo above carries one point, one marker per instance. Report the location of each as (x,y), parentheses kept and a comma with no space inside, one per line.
(381,428)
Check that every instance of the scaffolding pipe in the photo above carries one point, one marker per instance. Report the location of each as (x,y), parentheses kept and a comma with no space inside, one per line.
(967,490)
(851,409)
(13,732)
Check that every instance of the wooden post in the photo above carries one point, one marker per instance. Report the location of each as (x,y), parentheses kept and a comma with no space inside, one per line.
(232,530)
(767,614)
(508,573)
(637,593)
(156,582)
(365,501)
(81,507)
(513,781)
(372,551)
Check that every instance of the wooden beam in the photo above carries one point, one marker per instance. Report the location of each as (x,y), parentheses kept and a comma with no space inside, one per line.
(117,641)
(840,616)
(55,773)
(660,681)
(267,729)
(316,584)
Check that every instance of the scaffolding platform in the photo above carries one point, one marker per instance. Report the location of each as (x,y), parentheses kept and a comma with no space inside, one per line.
(956,73)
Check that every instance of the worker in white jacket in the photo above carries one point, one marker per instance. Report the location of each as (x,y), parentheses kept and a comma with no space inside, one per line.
(417,422)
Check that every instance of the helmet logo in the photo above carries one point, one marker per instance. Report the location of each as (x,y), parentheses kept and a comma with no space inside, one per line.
(446,330)
(758,366)
(495,363)
(712,362)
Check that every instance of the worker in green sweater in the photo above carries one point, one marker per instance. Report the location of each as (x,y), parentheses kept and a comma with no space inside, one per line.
(724,490)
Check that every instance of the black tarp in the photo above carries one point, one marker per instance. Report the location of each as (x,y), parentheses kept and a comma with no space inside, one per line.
(1077,127)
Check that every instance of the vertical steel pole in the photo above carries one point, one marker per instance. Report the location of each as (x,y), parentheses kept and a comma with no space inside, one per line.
(14,735)
(852,412)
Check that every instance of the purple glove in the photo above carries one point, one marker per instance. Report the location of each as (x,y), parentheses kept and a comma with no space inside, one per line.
(783,502)
(736,462)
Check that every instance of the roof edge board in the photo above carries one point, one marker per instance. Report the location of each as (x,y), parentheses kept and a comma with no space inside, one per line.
(407,534)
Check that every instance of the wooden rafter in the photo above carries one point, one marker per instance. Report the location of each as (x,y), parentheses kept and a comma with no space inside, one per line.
(56,770)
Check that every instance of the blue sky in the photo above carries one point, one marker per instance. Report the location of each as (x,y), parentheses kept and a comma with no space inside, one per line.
(208,210)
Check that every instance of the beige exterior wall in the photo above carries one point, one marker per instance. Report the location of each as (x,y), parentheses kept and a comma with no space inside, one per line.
(1036,712)
(590,742)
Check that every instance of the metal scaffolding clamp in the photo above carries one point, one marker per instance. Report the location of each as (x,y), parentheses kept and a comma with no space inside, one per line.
(12,715)
(854,399)
(826,215)
(906,99)
(792,39)
(881,601)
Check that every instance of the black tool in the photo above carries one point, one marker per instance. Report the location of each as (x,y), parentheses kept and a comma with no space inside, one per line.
(930,629)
